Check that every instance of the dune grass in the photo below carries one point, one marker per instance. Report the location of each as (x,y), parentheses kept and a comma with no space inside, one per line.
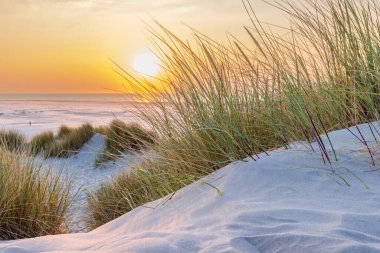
(103,130)
(71,141)
(12,140)
(102,204)
(41,142)
(64,131)
(121,137)
(218,103)
(32,201)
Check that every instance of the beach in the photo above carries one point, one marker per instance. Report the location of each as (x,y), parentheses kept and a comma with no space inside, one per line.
(34,113)
(263,140)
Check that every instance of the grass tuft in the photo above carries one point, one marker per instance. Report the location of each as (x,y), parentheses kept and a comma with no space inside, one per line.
(217,103)
(32,201)
(121,137)
(12,140)
(41,142)
(64,131)
(71,142)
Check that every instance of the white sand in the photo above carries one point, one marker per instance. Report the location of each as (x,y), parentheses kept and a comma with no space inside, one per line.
(85,176)
(287,202)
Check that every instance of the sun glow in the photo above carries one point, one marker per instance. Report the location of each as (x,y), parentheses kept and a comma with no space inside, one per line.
(146,64)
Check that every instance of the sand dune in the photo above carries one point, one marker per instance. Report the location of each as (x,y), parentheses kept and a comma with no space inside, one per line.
(85,176)
(289,201)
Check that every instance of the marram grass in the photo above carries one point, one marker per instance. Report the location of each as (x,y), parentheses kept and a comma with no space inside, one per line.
(32,201)
(41,142)
(69,142)
(64,131)
(12,141)
(121,137)
(220,103)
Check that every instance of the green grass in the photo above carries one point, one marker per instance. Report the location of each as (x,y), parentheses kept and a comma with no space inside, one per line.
(220,103)
(12,140)
(103,130)
(70,142)
(41,142)
(66,143)
(104,200)
(64,131)
(121,137)
(32,201)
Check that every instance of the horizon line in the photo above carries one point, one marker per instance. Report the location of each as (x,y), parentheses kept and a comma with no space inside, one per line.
(62,93)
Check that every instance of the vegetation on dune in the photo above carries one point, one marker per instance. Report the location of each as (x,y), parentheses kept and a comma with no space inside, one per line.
(220,103)
(103,130)
(105,200)
(64,131)
(71,141)
(12,140)
(64,144)
(32,202)
(41,142)
(121,137)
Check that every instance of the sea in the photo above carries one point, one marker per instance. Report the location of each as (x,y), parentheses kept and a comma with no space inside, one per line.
(31,114)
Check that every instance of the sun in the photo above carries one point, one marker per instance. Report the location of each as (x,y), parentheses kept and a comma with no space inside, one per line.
(146,64)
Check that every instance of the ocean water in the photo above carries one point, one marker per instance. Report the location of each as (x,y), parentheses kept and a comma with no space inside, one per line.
(34,113)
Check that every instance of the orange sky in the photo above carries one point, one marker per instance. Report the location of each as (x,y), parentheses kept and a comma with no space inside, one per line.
(62,46)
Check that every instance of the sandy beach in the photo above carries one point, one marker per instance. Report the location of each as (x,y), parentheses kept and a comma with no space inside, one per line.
(35,113)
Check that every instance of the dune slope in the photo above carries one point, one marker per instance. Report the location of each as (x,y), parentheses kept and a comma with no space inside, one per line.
(289,201)
(85,176)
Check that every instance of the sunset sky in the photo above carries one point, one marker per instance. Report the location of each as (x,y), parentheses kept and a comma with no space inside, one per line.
(62,46)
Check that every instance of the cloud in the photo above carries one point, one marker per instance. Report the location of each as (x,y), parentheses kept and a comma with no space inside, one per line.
(129,6)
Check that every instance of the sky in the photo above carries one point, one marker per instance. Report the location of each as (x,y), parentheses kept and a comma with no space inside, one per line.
(64,46)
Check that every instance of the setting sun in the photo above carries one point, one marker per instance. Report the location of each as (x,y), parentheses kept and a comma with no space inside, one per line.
(146,64)
(189,126)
